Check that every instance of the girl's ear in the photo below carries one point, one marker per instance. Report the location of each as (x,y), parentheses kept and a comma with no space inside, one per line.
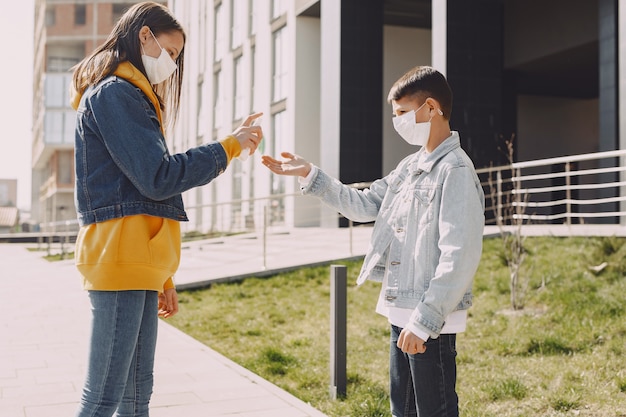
(144,34)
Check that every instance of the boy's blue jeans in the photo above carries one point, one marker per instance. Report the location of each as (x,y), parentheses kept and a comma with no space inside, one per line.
(423,384)
(121,355)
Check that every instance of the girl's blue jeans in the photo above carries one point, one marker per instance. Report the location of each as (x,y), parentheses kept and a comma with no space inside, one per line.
(423,384)
(121,355)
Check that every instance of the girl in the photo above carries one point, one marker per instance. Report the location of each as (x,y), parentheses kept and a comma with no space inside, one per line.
(128,198)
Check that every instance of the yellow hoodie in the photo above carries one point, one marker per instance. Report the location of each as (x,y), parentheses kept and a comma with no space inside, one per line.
(137,252)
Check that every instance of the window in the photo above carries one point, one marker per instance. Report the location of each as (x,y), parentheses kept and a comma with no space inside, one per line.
(51,16)
(219,38)
(65,168)
(202,25)
(252,72)
(60,63)
(236,23)
(277,205)
(279,67)
(279,7)
(4,195)
(119,9)
(217,100)
(59,126)
(236,206)
(252,9)
(80,14)
(56,90)
(238,110)
(200,117)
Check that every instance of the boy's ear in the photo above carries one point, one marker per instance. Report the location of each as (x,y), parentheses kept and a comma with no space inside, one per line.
(434,104)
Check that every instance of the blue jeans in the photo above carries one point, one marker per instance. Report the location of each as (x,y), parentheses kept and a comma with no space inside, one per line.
(121,355)
(423,384)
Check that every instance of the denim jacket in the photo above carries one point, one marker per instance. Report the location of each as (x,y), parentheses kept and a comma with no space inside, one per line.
(123,166)
(427,236)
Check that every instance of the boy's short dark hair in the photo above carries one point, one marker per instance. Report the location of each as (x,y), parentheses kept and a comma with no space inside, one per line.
(422,82)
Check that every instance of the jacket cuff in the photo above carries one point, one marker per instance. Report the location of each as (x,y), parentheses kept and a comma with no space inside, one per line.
(169,284)
(231,146)
(428,320)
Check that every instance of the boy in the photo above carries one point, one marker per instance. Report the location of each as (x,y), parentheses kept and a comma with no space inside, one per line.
(426,242)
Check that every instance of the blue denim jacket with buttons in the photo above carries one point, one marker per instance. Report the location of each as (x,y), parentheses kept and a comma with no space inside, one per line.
(428,230)
(123,166)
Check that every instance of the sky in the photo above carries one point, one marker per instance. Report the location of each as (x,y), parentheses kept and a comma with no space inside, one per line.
(16,78)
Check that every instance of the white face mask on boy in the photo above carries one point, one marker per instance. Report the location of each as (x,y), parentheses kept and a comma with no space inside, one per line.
(158,69)
(412,132)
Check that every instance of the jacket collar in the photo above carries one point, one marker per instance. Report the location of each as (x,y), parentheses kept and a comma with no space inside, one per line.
(424,162)
(130,73)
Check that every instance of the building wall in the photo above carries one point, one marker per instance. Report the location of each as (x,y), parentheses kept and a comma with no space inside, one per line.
(552,126)
(404,48)
(538,28)
(8,193)
(224,82)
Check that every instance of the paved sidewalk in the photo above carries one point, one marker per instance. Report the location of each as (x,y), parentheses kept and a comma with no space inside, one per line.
(45,319)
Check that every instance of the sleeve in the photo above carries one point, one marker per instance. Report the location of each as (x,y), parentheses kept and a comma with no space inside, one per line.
(231,146)
(461,222)
(305,181)
(357,205)
(169,284)
(130,130)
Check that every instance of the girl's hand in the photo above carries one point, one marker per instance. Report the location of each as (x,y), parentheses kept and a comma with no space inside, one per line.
(249,136)
(291,165)
(168,303)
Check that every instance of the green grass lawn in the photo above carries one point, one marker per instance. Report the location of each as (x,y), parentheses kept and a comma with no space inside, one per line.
(562,355)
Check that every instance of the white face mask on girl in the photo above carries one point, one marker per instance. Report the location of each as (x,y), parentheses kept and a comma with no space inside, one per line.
(414,133)
(158,69)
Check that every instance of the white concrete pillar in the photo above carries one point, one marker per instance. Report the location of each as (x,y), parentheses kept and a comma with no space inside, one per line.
(330,96)
(439,35)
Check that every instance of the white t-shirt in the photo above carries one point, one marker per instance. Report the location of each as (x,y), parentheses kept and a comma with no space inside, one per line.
(456,322)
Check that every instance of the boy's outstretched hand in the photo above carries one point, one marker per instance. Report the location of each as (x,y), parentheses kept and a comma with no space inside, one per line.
(291,165)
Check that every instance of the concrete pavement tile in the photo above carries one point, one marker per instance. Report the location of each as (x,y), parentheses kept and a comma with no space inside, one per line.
(47,332)
(161,399)
(285,412)
(251,392)
(59,410)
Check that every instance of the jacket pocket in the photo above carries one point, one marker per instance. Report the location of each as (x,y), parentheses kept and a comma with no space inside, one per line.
(424,201)
(149,240)
(395,182)
(165,246)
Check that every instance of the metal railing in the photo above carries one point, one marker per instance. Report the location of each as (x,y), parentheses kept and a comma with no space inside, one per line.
(579,189)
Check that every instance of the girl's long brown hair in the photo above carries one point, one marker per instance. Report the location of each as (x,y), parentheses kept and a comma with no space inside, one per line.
(123,45)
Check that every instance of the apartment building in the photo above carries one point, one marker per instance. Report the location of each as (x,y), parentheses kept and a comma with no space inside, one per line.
(551,73)
(65,31)
(547,72)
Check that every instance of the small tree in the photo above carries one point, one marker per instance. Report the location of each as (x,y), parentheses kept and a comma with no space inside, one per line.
(509,210)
